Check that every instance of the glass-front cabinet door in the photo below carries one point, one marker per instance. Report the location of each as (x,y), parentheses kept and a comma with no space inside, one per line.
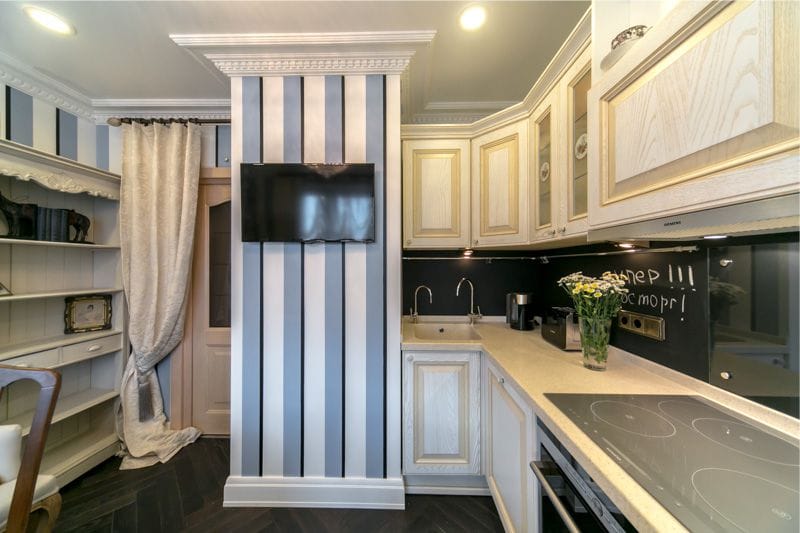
(544,169)
(579,81)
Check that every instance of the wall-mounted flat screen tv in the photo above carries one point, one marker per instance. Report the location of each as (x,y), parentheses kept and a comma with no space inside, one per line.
(299,202)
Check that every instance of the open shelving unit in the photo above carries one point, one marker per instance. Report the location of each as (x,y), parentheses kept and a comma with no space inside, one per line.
(40,275)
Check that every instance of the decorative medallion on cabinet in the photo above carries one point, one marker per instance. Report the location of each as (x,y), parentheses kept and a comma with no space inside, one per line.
(702,112)
(499,194)
(441,413)
(436,193)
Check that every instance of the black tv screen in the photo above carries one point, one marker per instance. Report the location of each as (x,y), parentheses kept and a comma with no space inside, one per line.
(298,202)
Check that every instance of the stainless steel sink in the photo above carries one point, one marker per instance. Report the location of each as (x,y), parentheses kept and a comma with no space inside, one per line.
(445,332)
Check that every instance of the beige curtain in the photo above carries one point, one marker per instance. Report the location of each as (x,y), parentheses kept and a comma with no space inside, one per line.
(158,201)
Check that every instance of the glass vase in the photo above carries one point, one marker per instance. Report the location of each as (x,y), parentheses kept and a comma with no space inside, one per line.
(594,341)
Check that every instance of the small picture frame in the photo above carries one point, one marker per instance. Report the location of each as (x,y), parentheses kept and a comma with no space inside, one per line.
(87,313)
(4,291)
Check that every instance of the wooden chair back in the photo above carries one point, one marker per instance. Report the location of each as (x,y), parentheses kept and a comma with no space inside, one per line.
(50,383)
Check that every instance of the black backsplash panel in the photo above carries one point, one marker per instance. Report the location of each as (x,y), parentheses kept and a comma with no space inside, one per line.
(492,280)
(682,302)
(672,285)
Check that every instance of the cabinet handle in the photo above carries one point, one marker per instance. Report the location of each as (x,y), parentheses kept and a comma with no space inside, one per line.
(23,365)
(501,380)
(562,229)
(410,358)
(475,241)
(94,347)
(408,241)
(551,232)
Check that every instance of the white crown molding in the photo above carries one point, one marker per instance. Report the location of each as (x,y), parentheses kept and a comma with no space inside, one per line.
(172,103)
(265,64)
(577,41)
(27,79)
(446,118)
(304,39)
(200,108)
(495,105)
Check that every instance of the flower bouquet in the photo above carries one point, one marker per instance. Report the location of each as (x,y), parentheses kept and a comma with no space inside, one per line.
(596,301)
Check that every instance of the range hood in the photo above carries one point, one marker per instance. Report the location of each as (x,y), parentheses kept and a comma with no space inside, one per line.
(771,215)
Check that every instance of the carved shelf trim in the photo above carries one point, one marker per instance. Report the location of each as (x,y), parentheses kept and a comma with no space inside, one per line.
(55,172)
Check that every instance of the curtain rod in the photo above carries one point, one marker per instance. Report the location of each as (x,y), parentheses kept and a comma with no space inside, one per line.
(119,121)
(547,258)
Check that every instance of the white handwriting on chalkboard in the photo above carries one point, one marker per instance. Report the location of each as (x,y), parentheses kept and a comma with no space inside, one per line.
(639,281)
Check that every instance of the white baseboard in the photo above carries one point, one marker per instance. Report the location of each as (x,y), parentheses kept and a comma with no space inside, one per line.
(448,491)
(444,485)
(348,493)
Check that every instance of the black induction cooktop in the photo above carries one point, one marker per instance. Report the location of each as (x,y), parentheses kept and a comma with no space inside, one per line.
(712,470)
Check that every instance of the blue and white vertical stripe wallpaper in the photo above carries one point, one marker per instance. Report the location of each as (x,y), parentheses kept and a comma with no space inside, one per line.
(310,365)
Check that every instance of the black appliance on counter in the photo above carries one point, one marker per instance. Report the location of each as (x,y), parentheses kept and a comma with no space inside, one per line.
(519,310)
(712,469)
(561,328)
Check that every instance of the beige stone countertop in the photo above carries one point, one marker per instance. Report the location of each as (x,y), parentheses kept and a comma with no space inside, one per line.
(536,367)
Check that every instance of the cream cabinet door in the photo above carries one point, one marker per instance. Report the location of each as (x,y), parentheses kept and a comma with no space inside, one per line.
(441,413)
(500,186)
(509,451)
(546,172)
(574,140)
(703,111)
(436,194)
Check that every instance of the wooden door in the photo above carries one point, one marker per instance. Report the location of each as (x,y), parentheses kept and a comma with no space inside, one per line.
(211,311)
(500,186)
(436,194)
(441,413)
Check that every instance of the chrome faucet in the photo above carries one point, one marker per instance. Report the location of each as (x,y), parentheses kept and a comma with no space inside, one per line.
(472,315)
(414,314)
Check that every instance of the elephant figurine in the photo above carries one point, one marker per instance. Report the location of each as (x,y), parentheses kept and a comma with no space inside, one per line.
(80,223)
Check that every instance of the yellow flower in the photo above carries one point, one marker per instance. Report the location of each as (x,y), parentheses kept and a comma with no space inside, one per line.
(576,290)
(598,294)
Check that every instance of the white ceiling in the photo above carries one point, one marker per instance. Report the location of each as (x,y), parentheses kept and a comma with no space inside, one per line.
(123,50)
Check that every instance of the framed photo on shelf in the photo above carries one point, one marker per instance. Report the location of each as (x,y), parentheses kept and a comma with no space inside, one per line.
(4,291)
(87,313)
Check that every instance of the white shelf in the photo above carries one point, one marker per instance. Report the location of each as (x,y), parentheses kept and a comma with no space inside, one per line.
(54,244)
(40,345)
(57,294)
(61,459)
(67,406)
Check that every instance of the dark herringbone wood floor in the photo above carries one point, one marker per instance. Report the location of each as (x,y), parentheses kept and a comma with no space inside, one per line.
(186,495)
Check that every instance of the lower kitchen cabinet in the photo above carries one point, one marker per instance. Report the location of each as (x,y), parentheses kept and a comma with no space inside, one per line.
(509,443)
(441,413)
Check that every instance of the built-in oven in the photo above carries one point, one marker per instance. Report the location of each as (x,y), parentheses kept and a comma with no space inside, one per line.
(570,499)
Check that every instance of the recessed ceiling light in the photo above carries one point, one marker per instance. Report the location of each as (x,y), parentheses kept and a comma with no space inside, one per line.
(467,252)
(711,237)
(49,20)
(626,245)
(473,17)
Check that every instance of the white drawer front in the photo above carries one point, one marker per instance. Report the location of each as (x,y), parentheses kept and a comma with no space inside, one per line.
(85,350)
(44,359)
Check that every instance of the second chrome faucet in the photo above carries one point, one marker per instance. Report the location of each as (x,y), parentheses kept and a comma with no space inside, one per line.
(414,314)
(472,315)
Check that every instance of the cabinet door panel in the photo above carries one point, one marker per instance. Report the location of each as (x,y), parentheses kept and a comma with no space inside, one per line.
(499,193)
(441,413)
(577,82)
(545,172)
(436,194)
(705,96)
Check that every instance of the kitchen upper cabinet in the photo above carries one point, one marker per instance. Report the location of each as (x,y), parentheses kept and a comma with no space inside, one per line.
(436,181)
(509,450)
(545,169)
(574,94)
(500,186)
(441,413)
(702,111)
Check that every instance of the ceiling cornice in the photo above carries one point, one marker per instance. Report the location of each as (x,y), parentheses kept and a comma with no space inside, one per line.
(577,41)
(495,105)
(311,64)
(305,39)
(27,79)
(201,108)
(284,54)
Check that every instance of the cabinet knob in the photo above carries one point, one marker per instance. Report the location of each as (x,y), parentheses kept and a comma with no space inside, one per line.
(94,347)
(410,358)
(475,241)
(408,241)
(725,375)
(227,159)
(501,380)
(562,229)
(551,232)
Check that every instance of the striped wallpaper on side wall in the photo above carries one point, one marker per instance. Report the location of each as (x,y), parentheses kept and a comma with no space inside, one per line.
(310,364)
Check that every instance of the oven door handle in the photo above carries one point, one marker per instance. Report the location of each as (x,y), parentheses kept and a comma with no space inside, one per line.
(562,511)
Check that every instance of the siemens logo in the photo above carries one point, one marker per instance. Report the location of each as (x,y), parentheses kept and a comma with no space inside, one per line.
(672,223)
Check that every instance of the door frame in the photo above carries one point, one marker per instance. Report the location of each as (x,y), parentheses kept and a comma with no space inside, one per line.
(181,377)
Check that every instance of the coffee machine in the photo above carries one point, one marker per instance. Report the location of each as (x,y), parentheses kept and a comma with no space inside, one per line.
(519,310)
